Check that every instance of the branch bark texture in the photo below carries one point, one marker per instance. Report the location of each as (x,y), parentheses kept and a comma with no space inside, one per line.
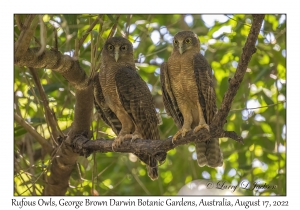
(235,82)
(56,61)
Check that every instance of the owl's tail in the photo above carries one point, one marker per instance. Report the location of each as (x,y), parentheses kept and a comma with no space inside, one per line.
(151,165)
(209,153)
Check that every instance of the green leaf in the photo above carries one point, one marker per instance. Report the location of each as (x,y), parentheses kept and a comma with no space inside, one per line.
(261,74)
(272,157)
(112,19)
(47,88)
(38,120)
(148,69)
(267,99)
(19,131)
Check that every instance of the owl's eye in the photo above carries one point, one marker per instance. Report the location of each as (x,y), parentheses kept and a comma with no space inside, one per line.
(175,42)
(110,47)
(124,47)
(188,41)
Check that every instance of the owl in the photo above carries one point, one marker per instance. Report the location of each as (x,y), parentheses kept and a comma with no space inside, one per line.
(124,100)
(189,96)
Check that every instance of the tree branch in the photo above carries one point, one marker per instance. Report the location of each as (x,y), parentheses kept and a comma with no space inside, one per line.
(43,35)
(56,61)
(155,148)
(23,42)
(234,83)
(65,158)
(19,22)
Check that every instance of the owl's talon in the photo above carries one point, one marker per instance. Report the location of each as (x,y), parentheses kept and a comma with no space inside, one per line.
(135,136)
(128,136)
(112,147)
(181,132)
(197,128)
(118,141)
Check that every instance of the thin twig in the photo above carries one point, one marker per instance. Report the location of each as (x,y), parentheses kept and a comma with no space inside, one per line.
(277,136)
(31,161)
(137,179)
(101,172)
(43,35)
(56,132)
(89,29)
(16,104)
(260,107)
(141,36)
(76,51)
(23,181)
(100,33)
(43,142)
(163,49)
(37,41)
(19,22)
(280,33)
(23,42)
(127,27)
(55,39)
(93,171)
(53,155)
(238,21)
(115,186)
(265,31)
(113,29)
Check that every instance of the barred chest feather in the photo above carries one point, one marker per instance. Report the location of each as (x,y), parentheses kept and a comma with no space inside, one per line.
(108,84)
(182,78)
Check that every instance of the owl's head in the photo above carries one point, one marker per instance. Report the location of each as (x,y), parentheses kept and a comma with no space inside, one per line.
(118,48)
(185,40)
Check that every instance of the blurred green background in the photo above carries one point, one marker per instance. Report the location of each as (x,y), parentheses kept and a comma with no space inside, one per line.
(262,159)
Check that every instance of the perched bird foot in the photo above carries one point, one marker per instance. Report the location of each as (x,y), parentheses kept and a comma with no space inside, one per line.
(197,128)
(128,136)
(135,136)
(181,132)
(119,140)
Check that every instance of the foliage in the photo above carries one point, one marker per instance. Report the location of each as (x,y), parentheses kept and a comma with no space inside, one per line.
(262,159)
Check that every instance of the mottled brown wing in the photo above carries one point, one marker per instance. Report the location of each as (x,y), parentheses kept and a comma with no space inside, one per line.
(137,100)
(107,115)
(169,99)
(208,153)
(207,95)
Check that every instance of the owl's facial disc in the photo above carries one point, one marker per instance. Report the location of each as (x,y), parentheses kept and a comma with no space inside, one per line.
(184,45)
(180,46)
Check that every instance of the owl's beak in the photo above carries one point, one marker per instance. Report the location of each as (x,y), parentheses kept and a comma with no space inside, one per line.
(181,48)
(117,55)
